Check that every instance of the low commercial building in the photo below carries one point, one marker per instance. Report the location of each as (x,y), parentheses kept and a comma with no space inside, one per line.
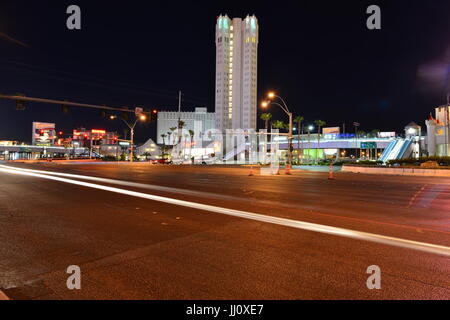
(30,152)
(149,150)
(96,137)
(99,142)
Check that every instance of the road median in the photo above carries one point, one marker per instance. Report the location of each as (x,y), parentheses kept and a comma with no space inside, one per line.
(399,171)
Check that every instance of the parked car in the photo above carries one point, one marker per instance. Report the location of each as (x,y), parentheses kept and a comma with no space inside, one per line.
(162,161)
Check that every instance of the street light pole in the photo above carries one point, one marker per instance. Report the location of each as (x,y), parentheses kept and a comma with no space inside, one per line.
(309,142)
(356,124)
(90,147)
(131,127)
(290,140)
(285,108)
(132,143)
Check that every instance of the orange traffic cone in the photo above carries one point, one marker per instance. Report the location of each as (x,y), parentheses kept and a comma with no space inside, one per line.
(330,176)
(251,171)
(288,169)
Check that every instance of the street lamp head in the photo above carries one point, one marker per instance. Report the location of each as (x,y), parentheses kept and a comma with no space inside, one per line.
(264,104)
(310,128)
(112,117)
(271,95)
(143,117)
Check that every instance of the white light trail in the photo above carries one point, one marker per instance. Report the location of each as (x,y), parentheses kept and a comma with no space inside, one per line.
(359,235)
(135,185)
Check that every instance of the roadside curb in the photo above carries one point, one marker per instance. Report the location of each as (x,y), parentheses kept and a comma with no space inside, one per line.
(3,296)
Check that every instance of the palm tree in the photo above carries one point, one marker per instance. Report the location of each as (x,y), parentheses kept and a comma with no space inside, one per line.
(298,120)
(169,133)
(147,155)
(125,133)
(163,136)
(319,124)
(173,133)
(191,134)
(181,125)
(375,133)
(266,117)
(278,124)
(361,133)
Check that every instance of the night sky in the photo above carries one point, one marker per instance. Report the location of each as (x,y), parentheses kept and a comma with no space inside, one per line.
(318,55)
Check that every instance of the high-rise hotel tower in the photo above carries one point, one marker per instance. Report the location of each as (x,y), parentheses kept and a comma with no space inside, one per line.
(236,72)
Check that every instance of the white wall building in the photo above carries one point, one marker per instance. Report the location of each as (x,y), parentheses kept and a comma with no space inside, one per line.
(236,72)
(438,132)
(198,121)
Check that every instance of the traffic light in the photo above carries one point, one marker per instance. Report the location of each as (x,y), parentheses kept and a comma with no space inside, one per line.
(103,113)
(20,105)
(65,108)
(125,115)
(154,115)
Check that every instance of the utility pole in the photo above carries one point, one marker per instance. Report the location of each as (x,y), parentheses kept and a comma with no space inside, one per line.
(179,104)
(179,116)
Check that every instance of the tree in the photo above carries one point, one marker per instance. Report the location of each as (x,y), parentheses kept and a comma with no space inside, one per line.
(173,134)
(298,120)
(319,124)
(191,134)
(147,155)
(169,133)
(278,124)
(361,133)
(125,133)
(374,133)
(163,136)
(266,117)
(181,125)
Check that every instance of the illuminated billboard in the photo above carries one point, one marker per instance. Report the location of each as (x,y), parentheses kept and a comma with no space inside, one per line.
(43,134)
(386,134)
(331,130)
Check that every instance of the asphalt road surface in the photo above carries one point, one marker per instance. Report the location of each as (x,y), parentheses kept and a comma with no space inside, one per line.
(258,237)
